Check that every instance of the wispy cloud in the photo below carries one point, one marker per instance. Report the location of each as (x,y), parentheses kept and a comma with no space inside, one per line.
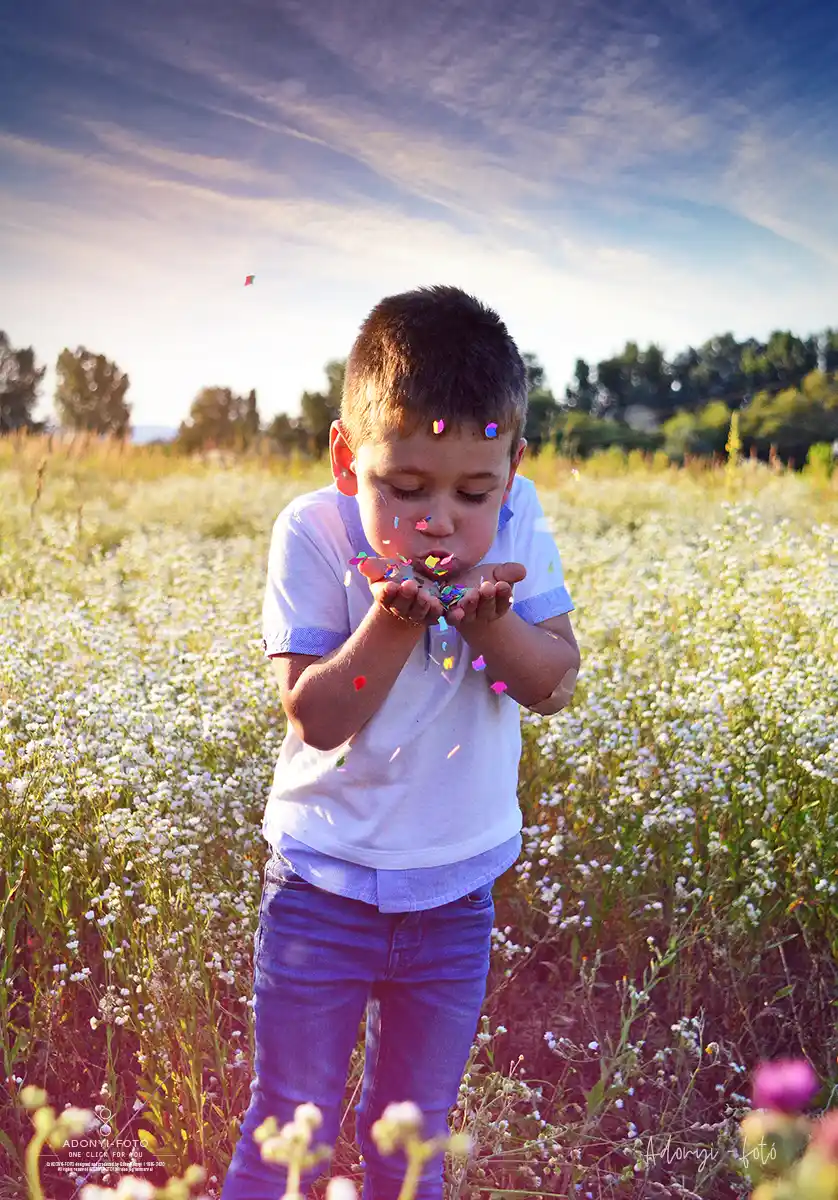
(596,173)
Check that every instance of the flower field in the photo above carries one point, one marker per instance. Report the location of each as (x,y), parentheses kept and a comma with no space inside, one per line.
(672,920)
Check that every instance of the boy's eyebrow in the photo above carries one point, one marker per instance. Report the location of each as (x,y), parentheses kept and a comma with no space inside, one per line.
(405,470)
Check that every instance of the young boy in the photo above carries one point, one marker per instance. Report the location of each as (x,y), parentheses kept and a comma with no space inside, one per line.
(401,660)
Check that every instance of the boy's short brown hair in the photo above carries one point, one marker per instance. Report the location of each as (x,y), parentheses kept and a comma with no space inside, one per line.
(432,354)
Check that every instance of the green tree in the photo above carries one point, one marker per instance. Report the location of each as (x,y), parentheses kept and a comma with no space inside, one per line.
(319,409)
(90,393)
(535,371)
(288,434)
(218,418)
(793,419)
(581,395)
(20,380)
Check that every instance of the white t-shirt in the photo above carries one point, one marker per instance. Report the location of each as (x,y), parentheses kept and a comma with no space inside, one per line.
(432,778)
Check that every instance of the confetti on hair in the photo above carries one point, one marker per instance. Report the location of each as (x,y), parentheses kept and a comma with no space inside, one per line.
(492,429)
(454,751)
(359,681)
(249,280)
(447,663)
(479,663)
(439,426)
(499,687)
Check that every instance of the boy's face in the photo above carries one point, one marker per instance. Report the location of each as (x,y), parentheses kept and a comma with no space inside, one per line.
(455,482)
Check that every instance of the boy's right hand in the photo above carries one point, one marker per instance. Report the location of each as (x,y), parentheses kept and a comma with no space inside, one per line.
(405,599)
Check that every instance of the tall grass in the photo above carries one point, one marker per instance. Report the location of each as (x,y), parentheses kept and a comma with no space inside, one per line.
(672,918)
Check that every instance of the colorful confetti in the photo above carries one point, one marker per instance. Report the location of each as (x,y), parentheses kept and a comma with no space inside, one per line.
(499,687)
(395,752)
(431,561)
(249,280)
(447,663)
(492,429)
(439,426)
(395,522)
(443,624)
(347,579)
(454,751)
(358,558)
(479,663)
(422,525)
(359,681)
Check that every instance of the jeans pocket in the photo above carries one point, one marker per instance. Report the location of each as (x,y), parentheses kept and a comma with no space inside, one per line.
(481,897)
(279,872)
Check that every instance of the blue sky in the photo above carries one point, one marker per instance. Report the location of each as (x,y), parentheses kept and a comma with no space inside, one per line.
(596,172)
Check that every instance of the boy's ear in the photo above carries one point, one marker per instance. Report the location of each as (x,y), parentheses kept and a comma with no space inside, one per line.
(342,461)
(516,462)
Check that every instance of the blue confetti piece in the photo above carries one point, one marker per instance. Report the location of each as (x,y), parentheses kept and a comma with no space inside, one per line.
(443,624)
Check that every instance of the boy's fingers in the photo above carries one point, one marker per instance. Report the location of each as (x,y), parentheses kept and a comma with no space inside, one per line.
(510,572)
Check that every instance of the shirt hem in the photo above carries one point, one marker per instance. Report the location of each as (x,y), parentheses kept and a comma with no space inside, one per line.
(401,860)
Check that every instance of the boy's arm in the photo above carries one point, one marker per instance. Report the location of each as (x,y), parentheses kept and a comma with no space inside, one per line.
(538,663)
(319,694)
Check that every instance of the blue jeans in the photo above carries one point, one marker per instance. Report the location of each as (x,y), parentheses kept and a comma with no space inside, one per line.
(320,960)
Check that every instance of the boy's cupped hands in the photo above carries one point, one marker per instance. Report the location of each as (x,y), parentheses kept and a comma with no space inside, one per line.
(414,600)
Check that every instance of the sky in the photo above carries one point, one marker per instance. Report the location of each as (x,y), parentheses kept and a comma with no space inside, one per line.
(595,170)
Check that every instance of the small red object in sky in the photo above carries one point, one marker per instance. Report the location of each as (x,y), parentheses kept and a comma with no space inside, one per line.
(248,280)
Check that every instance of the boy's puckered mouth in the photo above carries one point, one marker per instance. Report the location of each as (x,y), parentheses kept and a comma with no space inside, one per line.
(445,566)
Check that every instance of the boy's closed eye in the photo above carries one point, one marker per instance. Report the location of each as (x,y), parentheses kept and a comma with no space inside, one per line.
(471,497)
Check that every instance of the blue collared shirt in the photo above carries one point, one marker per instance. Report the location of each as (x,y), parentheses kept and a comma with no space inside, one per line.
(399,891)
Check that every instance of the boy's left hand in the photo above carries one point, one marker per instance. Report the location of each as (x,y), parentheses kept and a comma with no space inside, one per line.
(488,601)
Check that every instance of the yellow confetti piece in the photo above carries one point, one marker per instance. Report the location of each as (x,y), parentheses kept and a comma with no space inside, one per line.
(448,663)
(431,561)
(439,426)
(454,751)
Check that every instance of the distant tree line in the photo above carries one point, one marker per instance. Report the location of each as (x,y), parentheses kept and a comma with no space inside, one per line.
(785,391)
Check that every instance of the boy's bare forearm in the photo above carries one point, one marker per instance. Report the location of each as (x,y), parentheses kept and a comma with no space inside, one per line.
(326,704)
(531,662)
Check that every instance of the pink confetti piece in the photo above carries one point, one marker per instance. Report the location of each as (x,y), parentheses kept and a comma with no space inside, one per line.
(479,663)
(248,280)
(421,526)
(439,426)
(359,558)
(359,681)
(492,429)
(499,687)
